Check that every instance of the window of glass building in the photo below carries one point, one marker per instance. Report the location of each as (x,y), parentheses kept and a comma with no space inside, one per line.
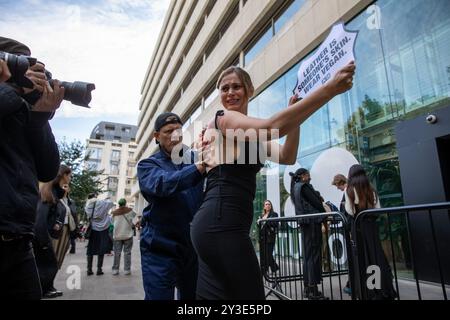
(196,113)
(273,27)
(259,45)
(210,98)
(287,14)
(186,124)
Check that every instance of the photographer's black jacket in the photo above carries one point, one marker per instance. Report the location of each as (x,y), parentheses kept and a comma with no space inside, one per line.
(28,153)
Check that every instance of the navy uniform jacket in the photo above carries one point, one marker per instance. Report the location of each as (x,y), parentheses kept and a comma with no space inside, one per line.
(174,193)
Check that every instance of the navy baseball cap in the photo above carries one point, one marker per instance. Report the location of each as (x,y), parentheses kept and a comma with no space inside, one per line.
(166,118)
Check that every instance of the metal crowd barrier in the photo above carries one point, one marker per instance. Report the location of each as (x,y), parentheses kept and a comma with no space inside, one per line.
(286,281)
(413,240)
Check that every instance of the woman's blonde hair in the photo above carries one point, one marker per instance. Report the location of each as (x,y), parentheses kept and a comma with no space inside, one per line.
(242,75)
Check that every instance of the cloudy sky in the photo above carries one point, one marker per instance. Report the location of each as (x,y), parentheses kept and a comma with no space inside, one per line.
(107,42)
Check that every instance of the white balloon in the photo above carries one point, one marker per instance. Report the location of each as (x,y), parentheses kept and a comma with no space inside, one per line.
(327,165)
(289,209)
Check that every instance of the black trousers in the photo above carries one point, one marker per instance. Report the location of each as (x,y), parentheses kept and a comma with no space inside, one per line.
(47,266)
(267,259)
(19,277)
(312,253)
(90,260)
(72,244)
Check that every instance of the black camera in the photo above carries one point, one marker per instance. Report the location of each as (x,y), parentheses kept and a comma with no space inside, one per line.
(18,66)
(78,93)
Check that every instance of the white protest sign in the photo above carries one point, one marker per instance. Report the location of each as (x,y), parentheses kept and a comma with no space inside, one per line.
(333,54)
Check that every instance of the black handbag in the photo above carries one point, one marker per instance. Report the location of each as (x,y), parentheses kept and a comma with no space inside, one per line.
(55,234)
(88,232)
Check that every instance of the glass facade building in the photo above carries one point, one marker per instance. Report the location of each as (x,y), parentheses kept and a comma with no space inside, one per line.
(403,69)
(402,55)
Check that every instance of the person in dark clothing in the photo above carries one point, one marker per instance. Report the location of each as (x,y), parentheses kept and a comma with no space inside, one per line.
(55,220)
(360,196)
(28,154)
(228,266)
(174,193)
(267,237)
(308,201)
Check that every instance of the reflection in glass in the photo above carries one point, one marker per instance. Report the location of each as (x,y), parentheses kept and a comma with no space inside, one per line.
(288,14)
(258,46)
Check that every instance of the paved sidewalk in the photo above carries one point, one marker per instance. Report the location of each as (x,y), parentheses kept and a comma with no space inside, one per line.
(105,287)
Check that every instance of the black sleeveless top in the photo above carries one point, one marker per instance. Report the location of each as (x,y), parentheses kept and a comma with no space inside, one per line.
(237,179)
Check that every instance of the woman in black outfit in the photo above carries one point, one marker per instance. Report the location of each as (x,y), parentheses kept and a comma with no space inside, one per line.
(267,237)
(360,196)
(56,219)
(228,266)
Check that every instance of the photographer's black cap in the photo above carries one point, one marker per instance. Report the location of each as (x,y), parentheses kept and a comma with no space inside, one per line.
(14,47)
(166,118)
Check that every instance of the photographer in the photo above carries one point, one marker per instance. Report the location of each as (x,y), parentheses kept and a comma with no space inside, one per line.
(28,154)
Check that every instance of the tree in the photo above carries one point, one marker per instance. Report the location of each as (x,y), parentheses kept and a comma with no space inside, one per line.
(84,180)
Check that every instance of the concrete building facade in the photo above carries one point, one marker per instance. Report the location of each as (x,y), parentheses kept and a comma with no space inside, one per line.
(112,148)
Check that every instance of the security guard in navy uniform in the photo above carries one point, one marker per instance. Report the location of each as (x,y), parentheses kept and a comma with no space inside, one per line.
(174,193)
(308,201)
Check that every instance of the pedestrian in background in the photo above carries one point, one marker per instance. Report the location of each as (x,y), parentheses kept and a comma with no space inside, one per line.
(268,233)
(55,220)
(99,240)
(124,231)
(360,195)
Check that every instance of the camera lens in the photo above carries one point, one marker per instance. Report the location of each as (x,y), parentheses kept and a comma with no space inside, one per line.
(79,93)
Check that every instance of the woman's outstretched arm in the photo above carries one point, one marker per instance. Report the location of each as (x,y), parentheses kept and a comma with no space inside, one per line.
(292,117)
